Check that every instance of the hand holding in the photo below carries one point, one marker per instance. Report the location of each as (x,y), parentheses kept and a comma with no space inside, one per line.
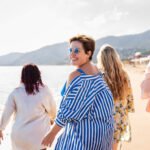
(48,140)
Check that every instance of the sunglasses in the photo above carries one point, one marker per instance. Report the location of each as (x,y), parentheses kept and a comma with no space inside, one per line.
(75,51)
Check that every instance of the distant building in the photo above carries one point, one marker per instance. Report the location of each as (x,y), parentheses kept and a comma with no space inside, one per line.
(137,55)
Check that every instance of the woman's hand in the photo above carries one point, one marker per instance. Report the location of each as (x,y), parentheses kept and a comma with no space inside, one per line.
(1,136)
(48,140)
(51,122)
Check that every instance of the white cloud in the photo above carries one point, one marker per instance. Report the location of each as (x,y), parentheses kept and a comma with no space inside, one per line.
(97,21)
(117,15)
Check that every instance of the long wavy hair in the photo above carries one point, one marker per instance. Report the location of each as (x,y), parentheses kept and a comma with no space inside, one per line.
(31,78)
(114,73)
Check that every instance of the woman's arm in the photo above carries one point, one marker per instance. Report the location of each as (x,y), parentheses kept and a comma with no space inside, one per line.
(9,109)
(52,106)
(130,98)
(48,140)
(49,104)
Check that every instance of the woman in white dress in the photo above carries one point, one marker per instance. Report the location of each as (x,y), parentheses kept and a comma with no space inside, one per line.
(33,107)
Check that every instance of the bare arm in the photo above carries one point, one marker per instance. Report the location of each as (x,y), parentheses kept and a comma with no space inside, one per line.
(48,140)
(130,98)
(49,104)
(9,109)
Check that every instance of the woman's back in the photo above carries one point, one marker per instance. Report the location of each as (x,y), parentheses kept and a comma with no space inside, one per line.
(32,117)
(33,106)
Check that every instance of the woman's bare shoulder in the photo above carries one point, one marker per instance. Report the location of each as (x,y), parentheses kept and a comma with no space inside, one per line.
(72,76)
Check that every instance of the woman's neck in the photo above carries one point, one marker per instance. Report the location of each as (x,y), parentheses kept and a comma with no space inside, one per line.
(89,68)
(85,65)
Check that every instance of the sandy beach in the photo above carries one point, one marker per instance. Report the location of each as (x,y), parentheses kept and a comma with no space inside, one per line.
(140,120)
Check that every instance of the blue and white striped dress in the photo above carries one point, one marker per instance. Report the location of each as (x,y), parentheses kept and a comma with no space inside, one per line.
(86,112)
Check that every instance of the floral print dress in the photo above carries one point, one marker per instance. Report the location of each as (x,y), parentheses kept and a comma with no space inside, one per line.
(122,129)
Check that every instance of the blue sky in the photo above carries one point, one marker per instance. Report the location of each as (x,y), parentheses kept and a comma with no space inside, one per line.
(27,25)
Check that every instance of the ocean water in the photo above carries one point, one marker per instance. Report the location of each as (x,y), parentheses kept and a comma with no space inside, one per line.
(53,76)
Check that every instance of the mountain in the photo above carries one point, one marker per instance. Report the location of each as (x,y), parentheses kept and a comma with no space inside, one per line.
(9,59)
(57,54)
(128,44)
(54,55)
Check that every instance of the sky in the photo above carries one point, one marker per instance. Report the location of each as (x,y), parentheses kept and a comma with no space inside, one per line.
(27,25)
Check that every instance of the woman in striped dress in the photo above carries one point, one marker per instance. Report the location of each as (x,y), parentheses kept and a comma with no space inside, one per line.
(86,109)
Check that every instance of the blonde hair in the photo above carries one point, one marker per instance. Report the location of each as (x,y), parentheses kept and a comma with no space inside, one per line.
(115,75)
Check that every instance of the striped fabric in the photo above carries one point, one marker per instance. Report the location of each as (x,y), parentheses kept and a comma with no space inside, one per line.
(86,112)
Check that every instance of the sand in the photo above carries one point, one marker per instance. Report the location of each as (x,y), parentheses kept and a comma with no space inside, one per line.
(140,120)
